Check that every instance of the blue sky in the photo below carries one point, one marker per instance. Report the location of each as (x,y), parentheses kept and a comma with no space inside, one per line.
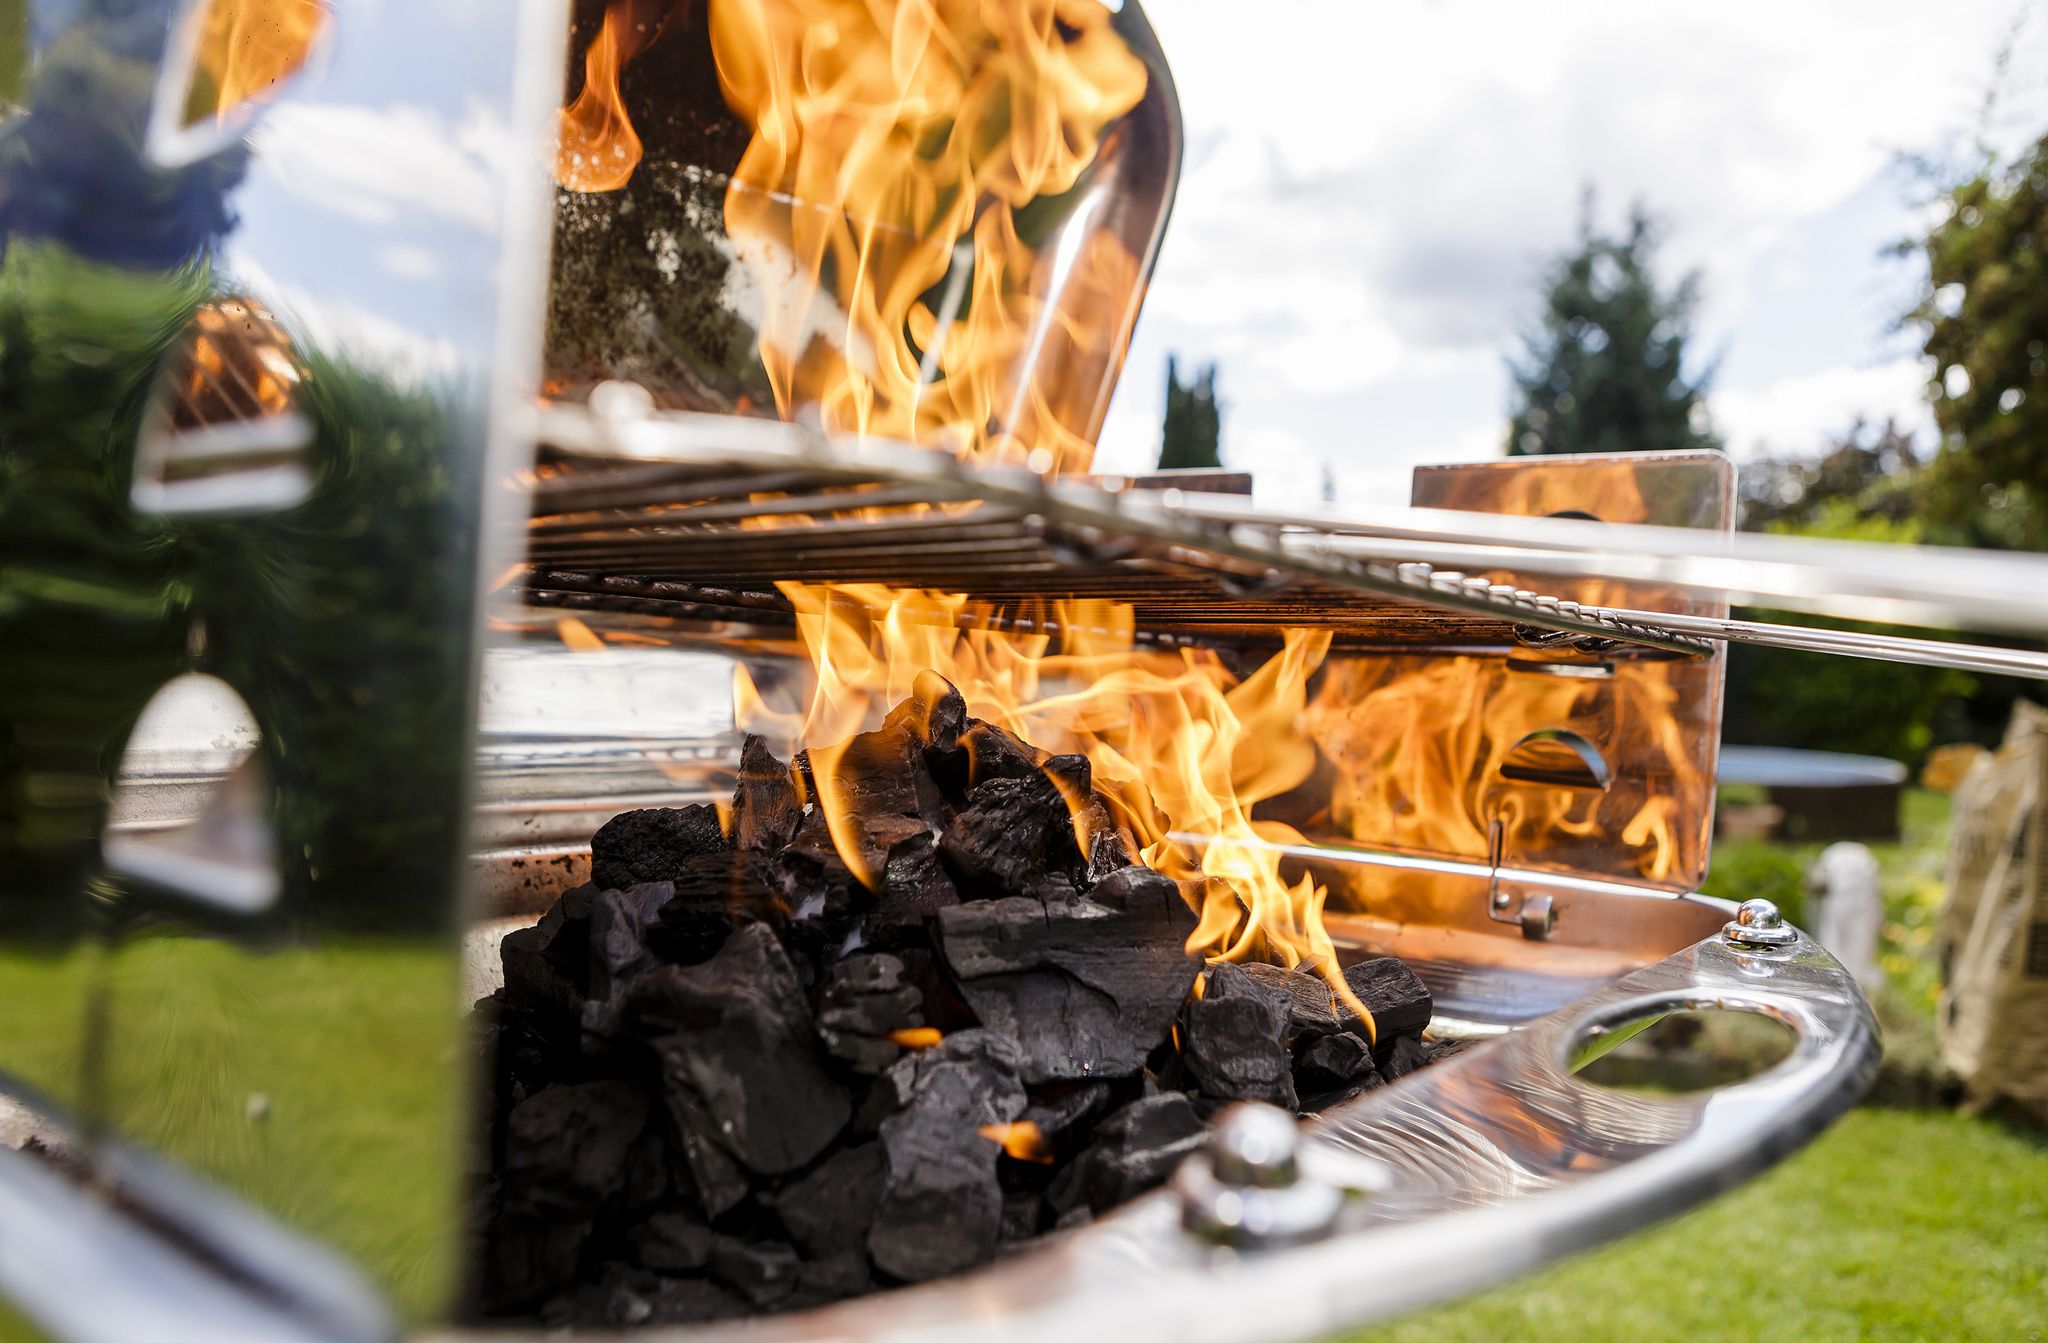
(1371,191)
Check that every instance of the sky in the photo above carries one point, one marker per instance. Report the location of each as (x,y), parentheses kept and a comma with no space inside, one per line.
(1371,190)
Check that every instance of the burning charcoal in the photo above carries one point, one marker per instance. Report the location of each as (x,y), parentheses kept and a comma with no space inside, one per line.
(883,773)
(993,753)
(830,1209)
(1088,986)
(1110,846)
(1134,1150)
(1312,1005)
(1319,1101)
(914,884)
(1331,1063)
(764,1273)
(1404,1056)
(1399,1003)
(715,893)
(671,1242)
(934,712)
(941,1205)
(565,1147)
(737,1058)
(547,965)
(862,1000)
(1010,833)
(1234,1038)
(765,810)
(650,845)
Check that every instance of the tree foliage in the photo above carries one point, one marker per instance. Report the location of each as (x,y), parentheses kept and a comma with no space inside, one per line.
(1984,314)
(1871,471)
(1603,370)
(1194,422)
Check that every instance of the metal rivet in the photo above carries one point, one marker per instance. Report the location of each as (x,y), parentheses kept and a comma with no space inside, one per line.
(1757,923)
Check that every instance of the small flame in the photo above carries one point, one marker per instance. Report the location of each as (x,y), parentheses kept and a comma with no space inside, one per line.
(1178,744)
(596,147)
(916,1037)
(246,47)
(1021,1140)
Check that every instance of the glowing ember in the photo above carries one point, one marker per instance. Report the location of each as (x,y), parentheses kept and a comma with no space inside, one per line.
(916,1037)
(1021,1140)
(1179,744)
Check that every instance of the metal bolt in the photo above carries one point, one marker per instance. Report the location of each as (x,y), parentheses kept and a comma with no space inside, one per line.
(1248,1189)
(1757,923)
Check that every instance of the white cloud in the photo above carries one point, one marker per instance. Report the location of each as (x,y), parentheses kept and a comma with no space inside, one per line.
(380,165)
(1798,414)
(1370,190)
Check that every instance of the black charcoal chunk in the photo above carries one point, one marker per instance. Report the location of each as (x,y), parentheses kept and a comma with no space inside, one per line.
(1133,1151)
(863,999)
(1404,1056)
(941,1206)
(717,1181)
(527,1259)
(1311,1003)
(993,753)
(1331,1063)
(671,1242)
(547,965)
(1058,1107)
(764,1272)
(738,1062)
(1111,847)
(1010,834)
(566,1147)
(651,844)
(830,1208)
(934,713)
(1088,986)
(914,884)
(1234,1039)
(619,923)
(835,1277)
(1399,1003)
(765,810)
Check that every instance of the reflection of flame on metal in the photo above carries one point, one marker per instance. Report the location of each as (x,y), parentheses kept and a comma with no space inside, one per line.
(225,432)
(246,49)
(906,159)
(596,147)
(1176,741)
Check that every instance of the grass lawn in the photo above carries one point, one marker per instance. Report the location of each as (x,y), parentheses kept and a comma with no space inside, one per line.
(1895,1224)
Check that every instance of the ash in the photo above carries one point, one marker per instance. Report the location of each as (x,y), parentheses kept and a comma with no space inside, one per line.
(729,1078)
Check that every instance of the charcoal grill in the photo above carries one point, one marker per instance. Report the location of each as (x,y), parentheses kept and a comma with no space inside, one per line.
(331,546)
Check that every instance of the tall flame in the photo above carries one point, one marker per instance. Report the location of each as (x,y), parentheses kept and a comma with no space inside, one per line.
(907,155)
(246,47)
(1180,745)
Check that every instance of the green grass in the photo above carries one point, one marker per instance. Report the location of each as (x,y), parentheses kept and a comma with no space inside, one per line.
(1894,1225)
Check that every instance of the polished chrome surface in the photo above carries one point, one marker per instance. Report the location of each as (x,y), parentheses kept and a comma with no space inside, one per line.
(260,362)
(1494,1162)
(1250,1187)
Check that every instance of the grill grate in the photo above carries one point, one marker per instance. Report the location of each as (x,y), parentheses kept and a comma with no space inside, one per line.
(697,517)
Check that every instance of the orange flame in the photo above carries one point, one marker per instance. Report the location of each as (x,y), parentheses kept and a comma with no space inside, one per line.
(246,47)
(1022,1140)
(916,1037)
(1179,745)
(905,153)
(596,147)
